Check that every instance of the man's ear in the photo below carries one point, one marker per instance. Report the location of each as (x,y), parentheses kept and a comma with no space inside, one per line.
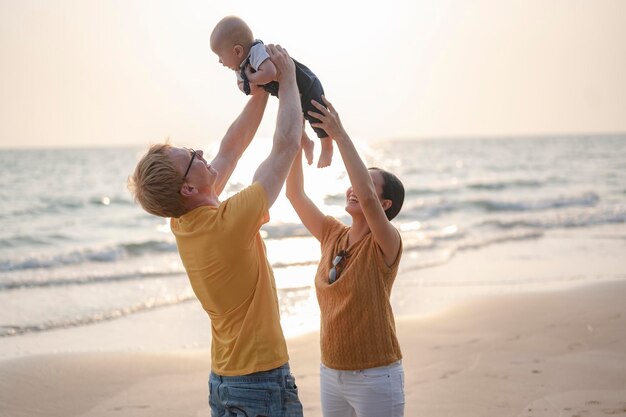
(187,190)
(238,50)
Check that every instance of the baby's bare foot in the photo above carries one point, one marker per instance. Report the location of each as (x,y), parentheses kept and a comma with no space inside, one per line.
(325,159)
(307,146)
(326,154)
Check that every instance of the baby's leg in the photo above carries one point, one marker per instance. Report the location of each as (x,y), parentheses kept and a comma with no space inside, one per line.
(307,146)
(326,155)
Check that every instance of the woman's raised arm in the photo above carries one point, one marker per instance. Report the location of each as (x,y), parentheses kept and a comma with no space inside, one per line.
(384,233)
(310,215)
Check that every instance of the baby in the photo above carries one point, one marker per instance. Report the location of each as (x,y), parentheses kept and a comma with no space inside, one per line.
(233,43)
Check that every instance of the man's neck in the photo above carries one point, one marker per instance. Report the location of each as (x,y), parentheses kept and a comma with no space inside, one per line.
(210,201)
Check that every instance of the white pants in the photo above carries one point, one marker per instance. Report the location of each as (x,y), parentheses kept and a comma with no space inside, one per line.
(374,392)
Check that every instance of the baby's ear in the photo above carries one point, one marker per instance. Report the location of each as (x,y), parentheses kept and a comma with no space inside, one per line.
(238,50)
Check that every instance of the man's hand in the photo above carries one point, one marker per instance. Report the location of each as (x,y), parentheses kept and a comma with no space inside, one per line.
(273,171)
(285,67)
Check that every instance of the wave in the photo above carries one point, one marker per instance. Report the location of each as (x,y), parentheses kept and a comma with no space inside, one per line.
(149,246)
(501,185)
(434,190)
(514,215)
(30,240)
(84,280)
(430,210)
(475,185)
(88,279)
(112,314)
(488,232)
(59,205)
(450,189)
(277,265)
(79,256)
(585,200)
(288,295)
(605,215)
(284,230)
(447,252)
(493,231)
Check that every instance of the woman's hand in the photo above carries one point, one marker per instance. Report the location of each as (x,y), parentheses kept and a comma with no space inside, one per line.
(328,119)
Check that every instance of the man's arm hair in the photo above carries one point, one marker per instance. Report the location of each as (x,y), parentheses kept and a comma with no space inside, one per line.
(237,138)
(274,169)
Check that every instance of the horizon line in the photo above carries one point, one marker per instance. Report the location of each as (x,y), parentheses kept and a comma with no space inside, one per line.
(516,136)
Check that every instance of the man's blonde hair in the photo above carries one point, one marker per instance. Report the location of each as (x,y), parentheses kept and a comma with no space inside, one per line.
(156,183)
(234,30)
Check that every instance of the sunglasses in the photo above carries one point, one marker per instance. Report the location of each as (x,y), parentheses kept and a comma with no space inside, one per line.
(193,156)
(333,274)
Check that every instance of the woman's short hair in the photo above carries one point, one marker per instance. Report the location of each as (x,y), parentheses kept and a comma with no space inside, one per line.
(156,183)
(392,190)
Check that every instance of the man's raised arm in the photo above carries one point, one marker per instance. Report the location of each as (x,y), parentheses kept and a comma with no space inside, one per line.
(238,137)
(274,169)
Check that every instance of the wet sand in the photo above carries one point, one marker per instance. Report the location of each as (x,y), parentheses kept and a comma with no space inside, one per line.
(550,354)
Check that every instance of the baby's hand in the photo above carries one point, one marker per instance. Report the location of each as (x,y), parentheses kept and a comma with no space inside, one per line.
(254,88)
(248,71)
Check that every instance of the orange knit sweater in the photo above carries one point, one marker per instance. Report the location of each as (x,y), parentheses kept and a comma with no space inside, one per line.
(357,326)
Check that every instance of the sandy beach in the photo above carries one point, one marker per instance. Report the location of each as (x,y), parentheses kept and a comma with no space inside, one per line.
(554,354)
(544,353)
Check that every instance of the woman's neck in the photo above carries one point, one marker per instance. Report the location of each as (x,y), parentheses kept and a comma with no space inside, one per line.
(358,230)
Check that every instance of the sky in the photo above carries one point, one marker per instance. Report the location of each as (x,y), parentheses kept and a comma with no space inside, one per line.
(124,72)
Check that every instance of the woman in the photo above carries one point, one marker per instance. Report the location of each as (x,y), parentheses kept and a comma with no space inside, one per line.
(361,373)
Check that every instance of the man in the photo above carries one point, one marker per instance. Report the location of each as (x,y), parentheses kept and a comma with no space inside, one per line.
(224,255)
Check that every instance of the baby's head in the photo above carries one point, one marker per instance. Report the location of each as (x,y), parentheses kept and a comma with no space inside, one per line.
(231,41)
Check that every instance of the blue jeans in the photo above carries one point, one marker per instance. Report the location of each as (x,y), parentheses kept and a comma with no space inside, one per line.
(270,393)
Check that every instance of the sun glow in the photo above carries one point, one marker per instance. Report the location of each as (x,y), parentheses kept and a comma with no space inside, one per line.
(325,186)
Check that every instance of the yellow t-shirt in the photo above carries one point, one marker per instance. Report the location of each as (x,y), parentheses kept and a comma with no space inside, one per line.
(224,255)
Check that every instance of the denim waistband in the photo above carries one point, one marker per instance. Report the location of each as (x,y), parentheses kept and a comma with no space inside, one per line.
(270,375)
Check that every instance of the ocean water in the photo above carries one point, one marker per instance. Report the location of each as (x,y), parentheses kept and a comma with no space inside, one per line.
(75,250)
